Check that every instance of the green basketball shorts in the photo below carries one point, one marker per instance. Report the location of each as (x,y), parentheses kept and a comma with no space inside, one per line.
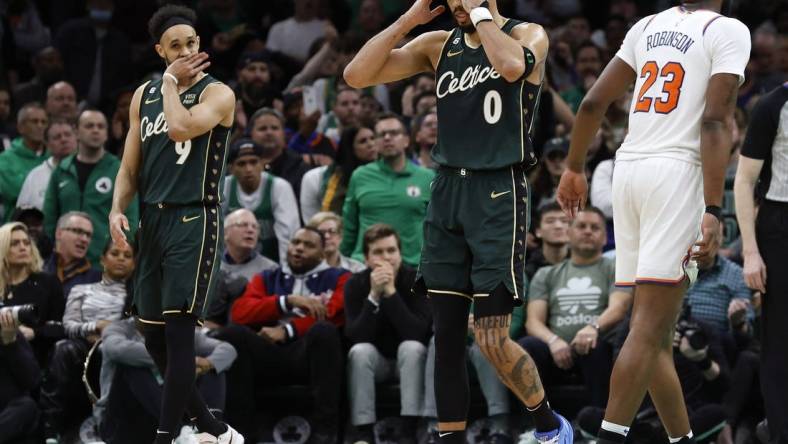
(474,233)
(178,261)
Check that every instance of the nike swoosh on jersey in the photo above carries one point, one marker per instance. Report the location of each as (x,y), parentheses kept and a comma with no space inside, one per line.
(494,195)
(185,219)
(452,54)
(151,101)
(441,435)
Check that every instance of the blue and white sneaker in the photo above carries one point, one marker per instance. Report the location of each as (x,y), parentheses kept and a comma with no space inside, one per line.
(564,435)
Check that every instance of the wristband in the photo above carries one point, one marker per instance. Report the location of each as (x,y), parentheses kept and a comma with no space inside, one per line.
(174,79)
(480,14)
(552,339)
(715,211)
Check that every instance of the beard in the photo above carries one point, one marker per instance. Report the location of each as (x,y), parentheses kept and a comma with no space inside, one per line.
(255,92)
(467,29)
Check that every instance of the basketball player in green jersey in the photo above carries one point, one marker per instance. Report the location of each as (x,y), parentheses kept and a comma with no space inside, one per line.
(489,71)
(174,157)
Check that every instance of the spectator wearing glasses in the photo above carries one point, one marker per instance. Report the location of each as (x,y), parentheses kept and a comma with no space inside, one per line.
(324,188)
(240,262)
(69,262)
(391,189)
(330,226)
(268,197)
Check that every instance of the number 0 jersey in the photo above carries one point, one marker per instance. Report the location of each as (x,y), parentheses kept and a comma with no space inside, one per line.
(484,122)
(674,54)
(179,172)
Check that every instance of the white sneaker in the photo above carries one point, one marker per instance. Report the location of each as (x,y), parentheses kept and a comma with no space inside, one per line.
(231,436)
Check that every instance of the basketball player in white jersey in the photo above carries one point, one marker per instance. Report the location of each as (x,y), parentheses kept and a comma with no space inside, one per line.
(687,64)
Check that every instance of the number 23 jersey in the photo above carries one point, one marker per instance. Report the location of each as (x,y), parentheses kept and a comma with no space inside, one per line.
(484,122)
(189,172)
(674,55)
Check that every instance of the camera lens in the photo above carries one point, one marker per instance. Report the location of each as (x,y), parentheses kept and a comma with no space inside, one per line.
(23,314)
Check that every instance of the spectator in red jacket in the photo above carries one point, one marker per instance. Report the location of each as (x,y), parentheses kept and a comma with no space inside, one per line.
(288,332)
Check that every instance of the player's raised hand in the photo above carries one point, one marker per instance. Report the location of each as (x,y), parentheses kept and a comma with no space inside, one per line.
(572,192)
(711,232)
(118,224)
(421,12)
(467,5)
(185,68)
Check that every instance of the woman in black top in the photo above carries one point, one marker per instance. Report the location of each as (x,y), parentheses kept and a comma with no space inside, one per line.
(22,282)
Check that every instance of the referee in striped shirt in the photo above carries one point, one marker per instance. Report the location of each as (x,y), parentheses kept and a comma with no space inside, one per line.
(762,177)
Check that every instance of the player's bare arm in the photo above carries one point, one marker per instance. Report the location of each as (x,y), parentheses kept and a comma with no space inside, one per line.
(126,179)
(715,142)
(743,189)
(506,53)
(615,80)
(216,106)
(379,61)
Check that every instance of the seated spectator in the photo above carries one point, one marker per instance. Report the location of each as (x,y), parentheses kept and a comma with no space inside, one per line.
(388,326)
(266,128)
(61,141)
(391,189)
(268,197)
(293,36)
(97,54)
(22,282)
(720,282)
(127,411)
(255,88)
(344,114)
(33,219)
(240,262)
(552,228)
(571,306)
(19,375)
(68,262)
(588,67)
(7,126)
(301,132)
(89,310)
(48,68)
(425,135)
(288,332)
(324,188)
(61,101)
(330,226)
(545,177)
(84,181)
(704,375)
(26,152)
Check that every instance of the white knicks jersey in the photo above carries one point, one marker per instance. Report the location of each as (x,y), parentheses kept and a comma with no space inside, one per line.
(674,54)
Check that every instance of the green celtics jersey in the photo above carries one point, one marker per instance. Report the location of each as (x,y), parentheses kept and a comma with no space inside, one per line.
(484,122)
(187,172)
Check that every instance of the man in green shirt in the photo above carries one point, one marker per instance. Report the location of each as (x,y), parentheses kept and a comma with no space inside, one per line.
(571,305)
(391,190)
(27,152)
(84,182)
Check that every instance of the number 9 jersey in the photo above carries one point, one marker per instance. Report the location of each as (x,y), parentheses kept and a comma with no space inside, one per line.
(674,54)
(179,173)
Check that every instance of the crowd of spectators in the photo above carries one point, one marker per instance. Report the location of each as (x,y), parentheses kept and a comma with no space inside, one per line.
(324,200)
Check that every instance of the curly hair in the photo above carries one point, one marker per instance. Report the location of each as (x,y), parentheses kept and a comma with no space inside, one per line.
(167,16)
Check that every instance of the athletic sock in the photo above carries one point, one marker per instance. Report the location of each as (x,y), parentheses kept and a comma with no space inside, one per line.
(163,437)
(456,437)
(544,418)
(611,433)
(686,439)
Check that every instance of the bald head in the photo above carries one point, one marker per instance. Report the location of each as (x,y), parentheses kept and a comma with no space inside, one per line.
(62,101)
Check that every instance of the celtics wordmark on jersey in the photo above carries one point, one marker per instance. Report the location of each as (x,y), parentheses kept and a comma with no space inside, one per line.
(484,122)
(172,172)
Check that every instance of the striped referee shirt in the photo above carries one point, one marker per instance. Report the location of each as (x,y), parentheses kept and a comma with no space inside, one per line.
(767,140)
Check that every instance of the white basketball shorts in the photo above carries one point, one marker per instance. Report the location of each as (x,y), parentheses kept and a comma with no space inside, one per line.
(658,205)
